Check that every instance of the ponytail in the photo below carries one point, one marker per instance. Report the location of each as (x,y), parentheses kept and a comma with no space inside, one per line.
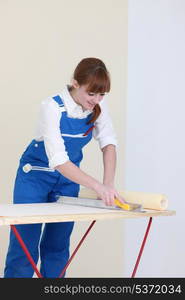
(96,113)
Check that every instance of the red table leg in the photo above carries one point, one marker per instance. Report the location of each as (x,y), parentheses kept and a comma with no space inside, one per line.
(25,249)
(142,247)
(22,244)
(76,249)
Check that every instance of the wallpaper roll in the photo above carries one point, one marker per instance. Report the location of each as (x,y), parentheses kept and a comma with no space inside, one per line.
(147,200)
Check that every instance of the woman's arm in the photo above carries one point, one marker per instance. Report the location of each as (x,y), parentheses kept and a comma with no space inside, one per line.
(75,174)
(72,172)
(109,161)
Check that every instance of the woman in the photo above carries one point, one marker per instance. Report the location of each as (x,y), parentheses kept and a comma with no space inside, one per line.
(49,167)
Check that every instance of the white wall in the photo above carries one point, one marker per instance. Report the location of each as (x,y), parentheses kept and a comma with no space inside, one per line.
(41,43)
(155,143)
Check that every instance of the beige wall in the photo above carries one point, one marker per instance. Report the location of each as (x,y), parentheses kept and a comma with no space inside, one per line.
(41,43)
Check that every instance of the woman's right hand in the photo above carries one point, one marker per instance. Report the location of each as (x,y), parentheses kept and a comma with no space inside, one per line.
(108,194)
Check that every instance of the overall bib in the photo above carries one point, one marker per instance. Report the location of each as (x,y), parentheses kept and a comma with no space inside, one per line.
(40,185)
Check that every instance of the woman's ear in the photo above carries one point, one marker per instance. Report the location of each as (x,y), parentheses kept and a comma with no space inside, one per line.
(74,83)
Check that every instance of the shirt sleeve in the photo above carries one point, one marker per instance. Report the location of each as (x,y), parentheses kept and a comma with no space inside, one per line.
(104,132)
(49,124)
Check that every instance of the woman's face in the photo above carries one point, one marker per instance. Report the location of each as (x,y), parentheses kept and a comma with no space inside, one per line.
(86,99)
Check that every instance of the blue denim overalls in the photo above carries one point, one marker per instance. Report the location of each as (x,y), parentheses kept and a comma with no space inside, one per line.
(44,184)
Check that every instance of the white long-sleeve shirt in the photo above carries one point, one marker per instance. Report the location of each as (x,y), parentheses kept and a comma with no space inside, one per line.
(48,127)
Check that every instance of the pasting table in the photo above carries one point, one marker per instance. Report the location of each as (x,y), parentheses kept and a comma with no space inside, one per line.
(14,214)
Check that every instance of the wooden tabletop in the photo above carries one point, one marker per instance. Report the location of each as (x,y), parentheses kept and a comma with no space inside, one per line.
(56,212)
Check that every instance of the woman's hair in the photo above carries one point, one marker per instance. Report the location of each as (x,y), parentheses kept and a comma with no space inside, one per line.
(93,73)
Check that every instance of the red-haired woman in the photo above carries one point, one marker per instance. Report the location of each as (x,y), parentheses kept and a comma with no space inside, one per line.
(49,167)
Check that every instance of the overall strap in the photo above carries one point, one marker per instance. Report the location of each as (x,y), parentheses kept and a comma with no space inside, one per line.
(58,99)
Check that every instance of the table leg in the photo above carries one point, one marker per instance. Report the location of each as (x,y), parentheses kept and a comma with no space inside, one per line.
(76,249)
(23,246)
(142,247)
(25,249)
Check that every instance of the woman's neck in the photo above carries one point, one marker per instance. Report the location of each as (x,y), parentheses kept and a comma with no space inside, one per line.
(74,96)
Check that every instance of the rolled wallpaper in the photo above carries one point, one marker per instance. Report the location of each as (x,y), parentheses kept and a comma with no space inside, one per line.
(147,200)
